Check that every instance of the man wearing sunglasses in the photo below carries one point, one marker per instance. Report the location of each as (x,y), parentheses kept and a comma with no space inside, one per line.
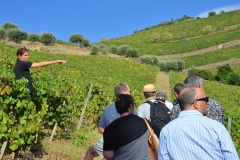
(192,135)
(214,109)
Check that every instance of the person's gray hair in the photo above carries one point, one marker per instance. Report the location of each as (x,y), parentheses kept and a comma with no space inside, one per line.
(119,88)
(193,81)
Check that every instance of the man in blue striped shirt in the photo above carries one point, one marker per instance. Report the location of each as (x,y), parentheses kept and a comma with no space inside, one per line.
(192,135)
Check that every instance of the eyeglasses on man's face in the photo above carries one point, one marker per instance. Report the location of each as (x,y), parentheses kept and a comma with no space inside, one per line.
(206,99)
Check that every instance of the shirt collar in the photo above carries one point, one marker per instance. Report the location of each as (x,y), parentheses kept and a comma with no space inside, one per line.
(190,112)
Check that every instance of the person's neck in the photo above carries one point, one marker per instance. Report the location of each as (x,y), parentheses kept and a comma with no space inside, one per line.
(149,98)
(125,114)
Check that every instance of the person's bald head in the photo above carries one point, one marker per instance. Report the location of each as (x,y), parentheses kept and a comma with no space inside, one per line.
(193,98)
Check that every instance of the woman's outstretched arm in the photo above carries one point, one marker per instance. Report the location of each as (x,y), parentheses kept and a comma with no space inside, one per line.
(47,63)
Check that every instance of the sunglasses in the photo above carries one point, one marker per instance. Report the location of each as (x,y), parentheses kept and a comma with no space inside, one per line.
(206,99)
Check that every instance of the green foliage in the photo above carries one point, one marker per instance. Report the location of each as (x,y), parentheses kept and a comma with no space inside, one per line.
(132,53)
(9,26)
(123,49)
(222,12)
(205,74)
(167,36)
(17,35)
(181,35)
(171,64)
(192,70)
(150,59)
(3,34)
(223,73)
(104,40)
(101,46)
(212,57)
(85,42)
(113,49)
(63,42)
(104,50)
(60,92)
(33,38)
(234,79)
(94,50)
(47,38)
(77,39)
(164,65)
(193,30)
(207,29)
(212,14)
(181,64)
(155,37)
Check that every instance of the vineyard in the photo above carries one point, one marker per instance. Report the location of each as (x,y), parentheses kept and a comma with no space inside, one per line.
(227,96)
(212,57)
(60,92)
(192,29)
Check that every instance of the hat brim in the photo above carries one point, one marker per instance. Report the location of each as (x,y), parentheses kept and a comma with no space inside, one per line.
(145,90)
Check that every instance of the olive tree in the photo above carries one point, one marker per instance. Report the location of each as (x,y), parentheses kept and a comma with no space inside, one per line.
(9,26)
(76,38)
(3,34)
(33,38)
(212,14)
(85,42)
(17,35)
(47,38)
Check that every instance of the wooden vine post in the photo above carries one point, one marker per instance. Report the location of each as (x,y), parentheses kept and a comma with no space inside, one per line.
(55,127)
(229,125)
(3,149)
(84,108)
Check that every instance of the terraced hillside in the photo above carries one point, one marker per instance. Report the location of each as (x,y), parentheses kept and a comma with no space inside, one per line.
(203,50)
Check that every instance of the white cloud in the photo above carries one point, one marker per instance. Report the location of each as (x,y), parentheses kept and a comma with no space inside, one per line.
(218,10)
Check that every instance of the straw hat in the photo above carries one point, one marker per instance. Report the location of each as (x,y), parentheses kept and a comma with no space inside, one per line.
(149,88)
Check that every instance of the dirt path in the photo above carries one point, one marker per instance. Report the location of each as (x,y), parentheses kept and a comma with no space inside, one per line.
(162,83)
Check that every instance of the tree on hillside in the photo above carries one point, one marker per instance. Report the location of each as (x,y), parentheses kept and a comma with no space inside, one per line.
(167,36)
(47,38)
(9,26)
(77,39)
(104,40)
(33,38)
(155,37)
(208,29)
(222,12)
(17,35)
(212,14)
(3,34)
(85,42)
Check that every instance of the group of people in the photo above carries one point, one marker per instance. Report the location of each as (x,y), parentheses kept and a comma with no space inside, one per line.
(196,129)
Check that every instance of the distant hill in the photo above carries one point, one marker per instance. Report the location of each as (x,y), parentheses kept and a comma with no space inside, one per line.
(186,35)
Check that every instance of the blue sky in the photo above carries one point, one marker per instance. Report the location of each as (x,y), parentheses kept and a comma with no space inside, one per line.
(95,19)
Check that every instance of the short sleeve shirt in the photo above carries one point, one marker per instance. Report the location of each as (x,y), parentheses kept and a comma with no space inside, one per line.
(109,115)
(21,70)
(144,110)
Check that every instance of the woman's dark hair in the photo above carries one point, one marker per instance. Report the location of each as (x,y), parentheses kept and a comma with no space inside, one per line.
(21,51)
(123,102)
